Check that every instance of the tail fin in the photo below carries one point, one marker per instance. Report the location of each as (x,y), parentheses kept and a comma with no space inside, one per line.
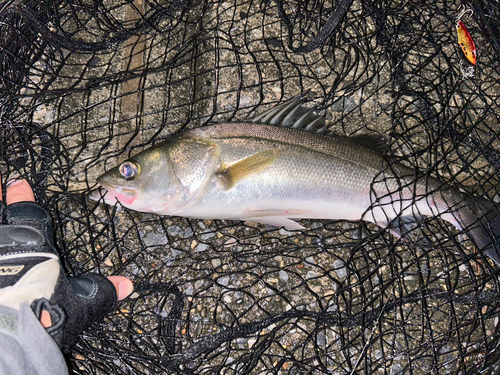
(482,225)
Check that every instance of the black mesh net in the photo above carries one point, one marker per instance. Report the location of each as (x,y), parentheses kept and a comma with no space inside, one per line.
(86,83)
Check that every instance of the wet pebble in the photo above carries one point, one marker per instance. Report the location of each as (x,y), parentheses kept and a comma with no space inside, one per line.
(202,247)
(175,230)
(251,341)
(340,269)
(230,242)
(224,280)
(284,276)
(310,260)
(188,233)
(321,339)
(207,235)
(311,275)
(155,239)
(189,290)
(315,225)
(108,262)
(199,284)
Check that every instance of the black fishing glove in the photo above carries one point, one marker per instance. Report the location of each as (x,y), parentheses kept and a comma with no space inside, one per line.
(30,271)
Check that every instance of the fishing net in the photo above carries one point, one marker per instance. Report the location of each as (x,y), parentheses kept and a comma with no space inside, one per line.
(87,83)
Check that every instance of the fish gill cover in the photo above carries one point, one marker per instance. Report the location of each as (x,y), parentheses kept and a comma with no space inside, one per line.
(87,83)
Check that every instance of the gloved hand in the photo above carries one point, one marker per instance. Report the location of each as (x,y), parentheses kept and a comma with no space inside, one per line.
(30,271)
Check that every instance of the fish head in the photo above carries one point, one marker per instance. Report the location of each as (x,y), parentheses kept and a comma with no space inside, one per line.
(142,183)
(165,179)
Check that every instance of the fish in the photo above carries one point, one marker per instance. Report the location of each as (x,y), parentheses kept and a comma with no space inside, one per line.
(285,164)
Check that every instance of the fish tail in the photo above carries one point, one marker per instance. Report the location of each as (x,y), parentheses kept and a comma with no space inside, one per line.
(480,220)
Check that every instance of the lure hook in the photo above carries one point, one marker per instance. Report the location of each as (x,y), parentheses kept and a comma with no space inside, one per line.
(463,12)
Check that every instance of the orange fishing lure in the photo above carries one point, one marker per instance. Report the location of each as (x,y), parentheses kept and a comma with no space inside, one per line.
(466,42)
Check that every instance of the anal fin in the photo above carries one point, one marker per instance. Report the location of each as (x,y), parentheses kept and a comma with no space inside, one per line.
(402,225)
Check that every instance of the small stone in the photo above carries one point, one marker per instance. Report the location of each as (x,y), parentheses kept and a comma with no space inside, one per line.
(251,341)
(174,230)
(230,242)
(224,280)
(202,247)
(311,275)
(315,225)
(155,239)
(310,260)
(108,262)
(329,293)
(321,339)
(207,235)
(340,269)
(199,284)
(284,276)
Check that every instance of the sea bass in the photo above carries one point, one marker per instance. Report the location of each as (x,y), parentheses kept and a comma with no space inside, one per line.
(284,164)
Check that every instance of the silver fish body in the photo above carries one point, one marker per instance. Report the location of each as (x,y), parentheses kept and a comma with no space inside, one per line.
(310,176)
(271,174)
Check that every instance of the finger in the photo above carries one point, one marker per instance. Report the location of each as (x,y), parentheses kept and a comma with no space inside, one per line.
(45,319)
(123,286)
(19,190)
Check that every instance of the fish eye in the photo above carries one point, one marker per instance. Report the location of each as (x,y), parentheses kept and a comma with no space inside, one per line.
(129,169)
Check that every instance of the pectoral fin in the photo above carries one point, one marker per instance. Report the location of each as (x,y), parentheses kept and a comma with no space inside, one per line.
(246,167)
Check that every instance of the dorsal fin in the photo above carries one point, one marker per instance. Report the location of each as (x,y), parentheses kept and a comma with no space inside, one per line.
(294,114)
(374,142)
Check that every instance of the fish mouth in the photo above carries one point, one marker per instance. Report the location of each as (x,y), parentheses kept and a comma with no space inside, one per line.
(111,194)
